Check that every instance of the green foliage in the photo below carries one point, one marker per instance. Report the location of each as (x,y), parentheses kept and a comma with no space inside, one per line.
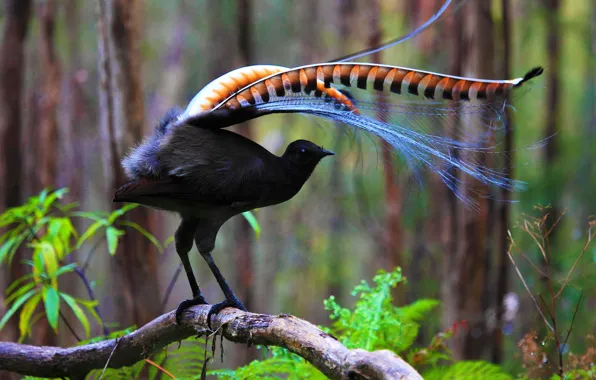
(183,360)
(374,323)
(109,221)
(254,223)
(46,228)
(111,335)
(468,370)
(280,364)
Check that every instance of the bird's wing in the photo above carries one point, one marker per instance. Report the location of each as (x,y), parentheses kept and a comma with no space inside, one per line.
(213,166)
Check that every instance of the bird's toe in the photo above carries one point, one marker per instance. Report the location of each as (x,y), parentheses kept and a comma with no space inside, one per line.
(215,309)
(199,300)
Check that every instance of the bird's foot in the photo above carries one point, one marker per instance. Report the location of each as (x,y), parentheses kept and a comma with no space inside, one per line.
(198,300)
(229,302)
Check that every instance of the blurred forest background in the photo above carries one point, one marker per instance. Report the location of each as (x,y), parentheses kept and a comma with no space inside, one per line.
(356,214)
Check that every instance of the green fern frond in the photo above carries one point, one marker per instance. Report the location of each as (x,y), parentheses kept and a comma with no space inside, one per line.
(468,370)
(186,361)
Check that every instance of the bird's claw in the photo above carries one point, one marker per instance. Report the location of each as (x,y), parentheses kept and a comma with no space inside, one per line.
(215,309)
(199,300)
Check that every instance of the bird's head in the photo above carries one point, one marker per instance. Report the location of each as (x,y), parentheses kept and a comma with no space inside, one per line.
(305,153)
(302,156)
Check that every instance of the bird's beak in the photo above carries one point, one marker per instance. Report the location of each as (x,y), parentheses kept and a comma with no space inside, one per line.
(326,152)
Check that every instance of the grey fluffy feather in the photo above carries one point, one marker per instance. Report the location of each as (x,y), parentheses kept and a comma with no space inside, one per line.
(143,160)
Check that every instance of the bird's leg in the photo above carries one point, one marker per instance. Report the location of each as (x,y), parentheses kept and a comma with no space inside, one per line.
(184,240)
(231,299)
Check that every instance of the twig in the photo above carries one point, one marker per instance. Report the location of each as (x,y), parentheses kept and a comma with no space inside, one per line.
(109,358)
(573,319)
(566,280)
(160,368)
(527,288)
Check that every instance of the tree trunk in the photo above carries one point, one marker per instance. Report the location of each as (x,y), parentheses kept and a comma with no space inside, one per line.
(45,128)
(12,65)
(391,254)
(336,222)
(48,98)
(121,121)
(504,208)
(551,131)
(464,293)
(72,106)
(244,250)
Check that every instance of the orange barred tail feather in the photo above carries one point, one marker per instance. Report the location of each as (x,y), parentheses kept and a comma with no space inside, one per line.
(320,78)
(261,83)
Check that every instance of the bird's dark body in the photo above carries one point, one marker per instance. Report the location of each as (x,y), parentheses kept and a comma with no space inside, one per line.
(209,175)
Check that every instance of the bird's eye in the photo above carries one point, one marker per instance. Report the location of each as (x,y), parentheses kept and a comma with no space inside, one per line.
(302,150)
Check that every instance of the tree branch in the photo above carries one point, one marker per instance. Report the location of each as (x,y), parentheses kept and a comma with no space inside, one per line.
(297,335)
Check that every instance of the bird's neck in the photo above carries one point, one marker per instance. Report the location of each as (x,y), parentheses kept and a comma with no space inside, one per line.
(297,175)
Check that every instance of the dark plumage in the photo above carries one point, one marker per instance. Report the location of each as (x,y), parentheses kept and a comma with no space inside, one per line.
(208,176)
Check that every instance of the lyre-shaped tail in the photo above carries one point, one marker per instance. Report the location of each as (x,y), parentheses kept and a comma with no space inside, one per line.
(413,129)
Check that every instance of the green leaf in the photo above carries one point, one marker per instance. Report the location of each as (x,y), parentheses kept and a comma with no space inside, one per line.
(168,241)
(66,269)
(121,211)
(19,292)
(90,305)
(16,306)
(52,304)
(62,229)
(97,216)
(58,194)
(18,241)
(144,232)
(91,231)
(13,240)
(112,234)
(6,247)
(8,217)
(49,259)
(17,282)
(67,207)
(40,199)
(468,370)
(26,313)
(418,310)
(254,223)
(72,303)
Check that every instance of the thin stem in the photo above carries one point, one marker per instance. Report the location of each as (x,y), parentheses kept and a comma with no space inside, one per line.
(69,326)
(521,277)
(89,255)
(170,288)
(566,280)
(87,284)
